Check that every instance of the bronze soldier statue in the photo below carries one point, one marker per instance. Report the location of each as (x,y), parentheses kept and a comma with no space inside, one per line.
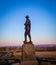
(27,29)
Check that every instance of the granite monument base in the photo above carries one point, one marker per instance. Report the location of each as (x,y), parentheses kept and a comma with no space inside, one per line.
(29,63)
(28,54)
(28,51)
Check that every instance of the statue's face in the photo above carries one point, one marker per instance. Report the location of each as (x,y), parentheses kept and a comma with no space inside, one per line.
(26,18)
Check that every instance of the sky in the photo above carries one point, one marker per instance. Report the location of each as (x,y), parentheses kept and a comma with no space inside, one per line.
(42,14)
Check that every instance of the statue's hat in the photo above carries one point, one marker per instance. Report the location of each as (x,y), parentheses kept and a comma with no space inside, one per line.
(27,16)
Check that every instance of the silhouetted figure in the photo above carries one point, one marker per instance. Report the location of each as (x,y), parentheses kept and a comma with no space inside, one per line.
(27,29)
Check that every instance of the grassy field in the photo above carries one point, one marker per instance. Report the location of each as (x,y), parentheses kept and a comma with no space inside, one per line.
(46,54)
(40,54)
(50,55)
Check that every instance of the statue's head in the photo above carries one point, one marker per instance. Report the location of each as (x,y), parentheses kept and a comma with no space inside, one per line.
(27,17)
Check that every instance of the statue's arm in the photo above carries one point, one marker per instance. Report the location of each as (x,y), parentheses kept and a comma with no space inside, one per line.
(25,23)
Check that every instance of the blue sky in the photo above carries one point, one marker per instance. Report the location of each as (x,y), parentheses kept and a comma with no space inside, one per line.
(42,14)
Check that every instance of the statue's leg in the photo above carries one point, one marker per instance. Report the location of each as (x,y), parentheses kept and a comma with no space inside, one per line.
(29,36)
(25,35)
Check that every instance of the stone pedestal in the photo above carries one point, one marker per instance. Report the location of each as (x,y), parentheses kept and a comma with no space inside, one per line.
(28,54)
(28,51)
(29,63)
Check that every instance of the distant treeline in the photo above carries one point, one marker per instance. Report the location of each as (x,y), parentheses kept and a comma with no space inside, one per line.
(46,48)
(19,49)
